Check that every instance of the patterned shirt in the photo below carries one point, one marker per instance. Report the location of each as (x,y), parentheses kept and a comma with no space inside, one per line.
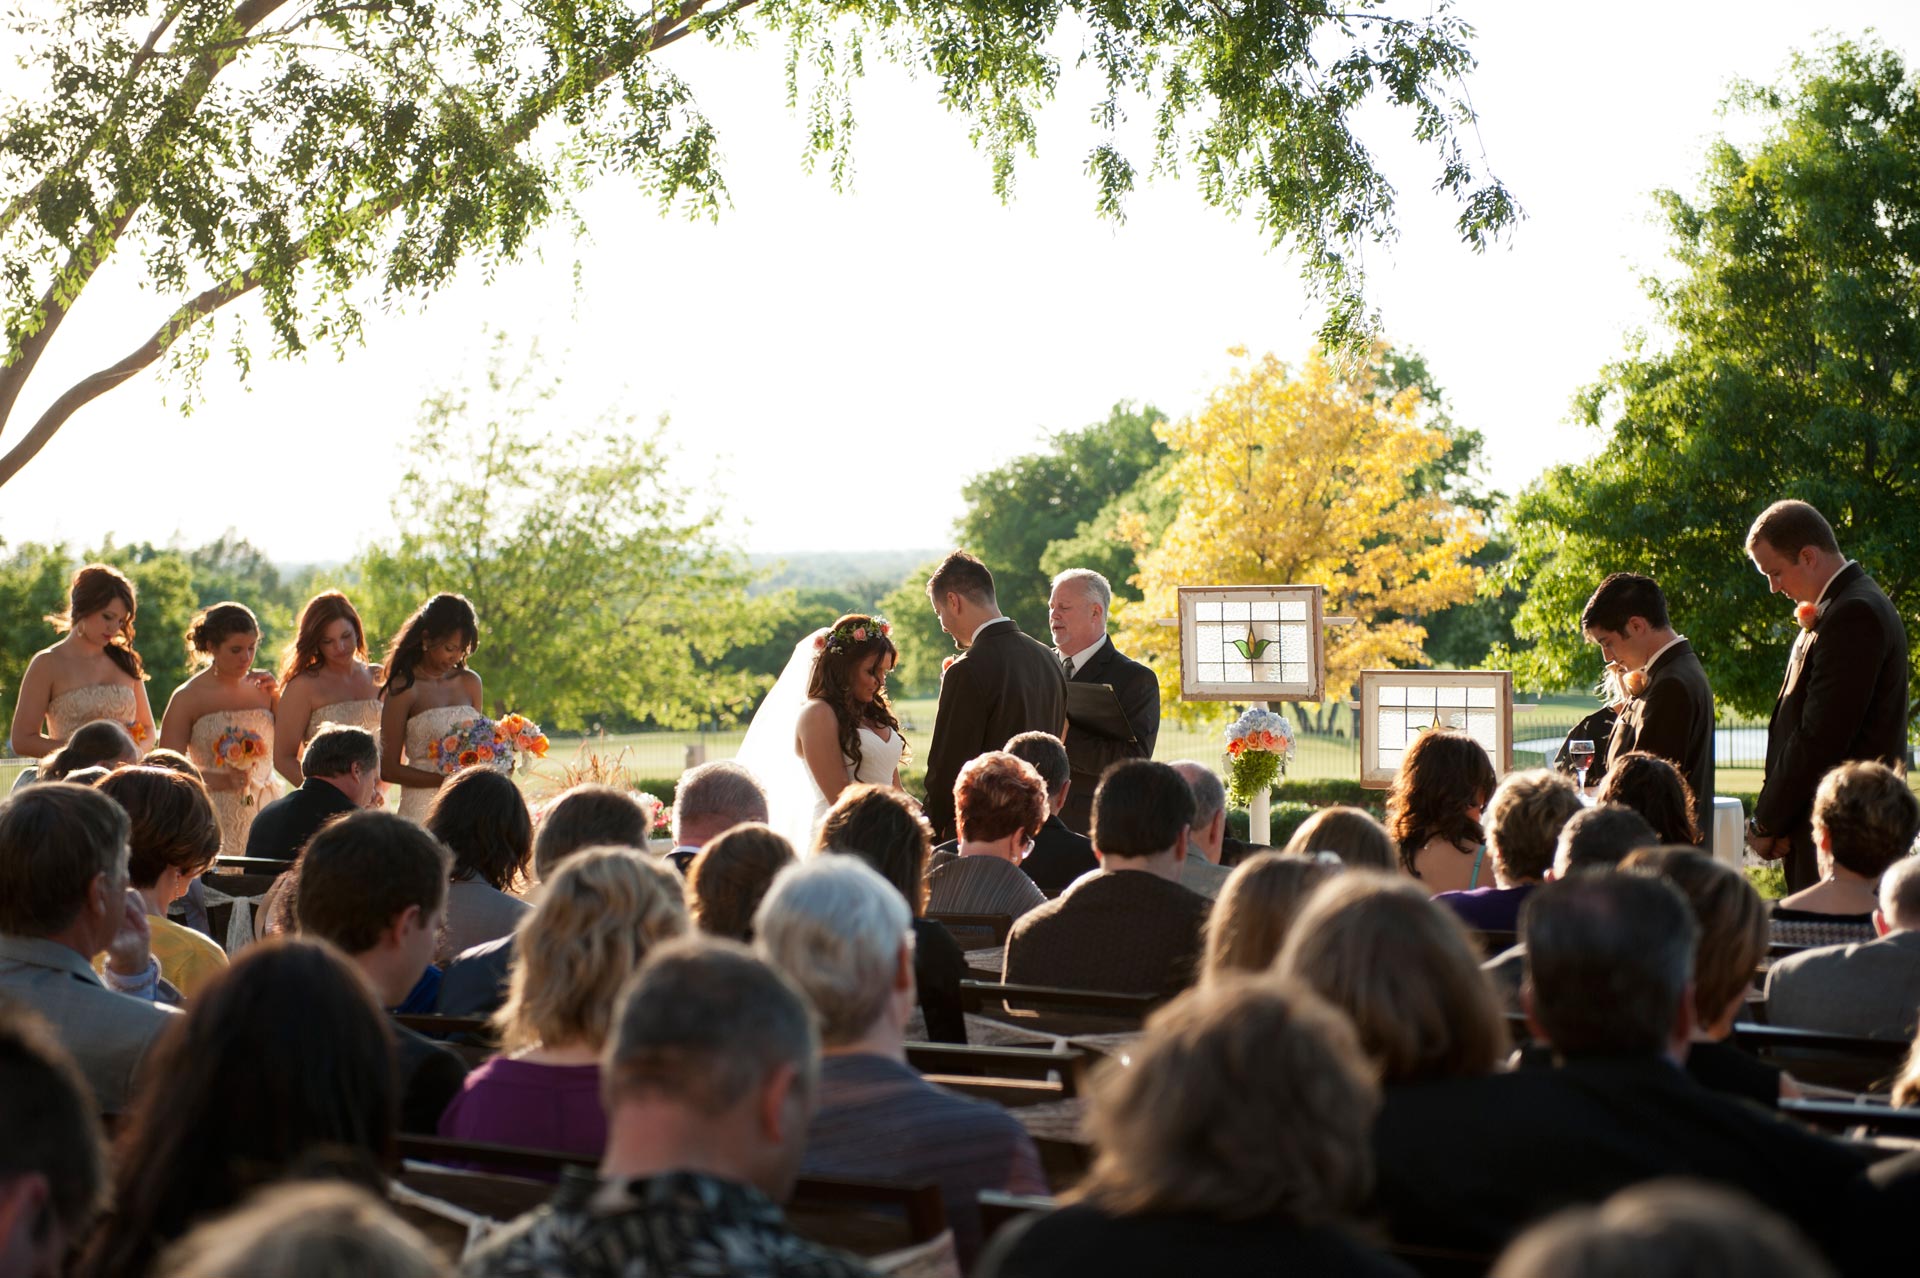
(979,885)
(683,1224)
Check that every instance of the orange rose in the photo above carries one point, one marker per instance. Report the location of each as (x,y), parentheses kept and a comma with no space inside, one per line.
(468,758)
(450,743)
(485,754)
(540,745)
(1806,614)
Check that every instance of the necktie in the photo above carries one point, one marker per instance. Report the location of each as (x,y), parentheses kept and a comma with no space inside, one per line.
(1066,666)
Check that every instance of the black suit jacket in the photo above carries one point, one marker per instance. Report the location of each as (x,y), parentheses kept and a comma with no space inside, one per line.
(475,983)
(430,1077)
(1005,684)
(1673,718)
(282,828)
(1059,857)
(1129,932)
(1090,754)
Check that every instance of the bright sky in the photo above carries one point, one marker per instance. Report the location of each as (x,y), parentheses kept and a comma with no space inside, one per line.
(840,364)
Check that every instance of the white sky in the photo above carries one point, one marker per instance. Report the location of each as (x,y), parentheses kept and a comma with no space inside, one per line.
(818,351)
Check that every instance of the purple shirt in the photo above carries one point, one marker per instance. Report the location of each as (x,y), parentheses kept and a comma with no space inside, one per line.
(1491,909)
(549,1107)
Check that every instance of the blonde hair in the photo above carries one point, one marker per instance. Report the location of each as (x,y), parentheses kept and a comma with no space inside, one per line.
(1732,919)
(1257,905)
(1378,948)
(1360,841)
(1524,819)
(306,1229)
(598,916)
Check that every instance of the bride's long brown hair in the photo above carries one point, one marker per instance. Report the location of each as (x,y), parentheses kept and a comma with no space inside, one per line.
(831,680)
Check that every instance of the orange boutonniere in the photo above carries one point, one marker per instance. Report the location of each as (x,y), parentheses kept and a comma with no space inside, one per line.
(948,663)
(1635,683)
(1806,614)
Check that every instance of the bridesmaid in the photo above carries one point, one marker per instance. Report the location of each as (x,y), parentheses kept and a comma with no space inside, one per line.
(228,694)
(429,692)
(324,678)
(92,673)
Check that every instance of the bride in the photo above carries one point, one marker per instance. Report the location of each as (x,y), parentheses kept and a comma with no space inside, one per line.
(826,725)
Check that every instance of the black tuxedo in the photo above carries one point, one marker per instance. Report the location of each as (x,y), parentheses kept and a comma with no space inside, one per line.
(1003,685)
(1059,857)
(1090,754)
(1844,698)
(282,827)
(1673,718)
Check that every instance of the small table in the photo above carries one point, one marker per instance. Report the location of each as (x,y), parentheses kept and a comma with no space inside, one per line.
(1727,836)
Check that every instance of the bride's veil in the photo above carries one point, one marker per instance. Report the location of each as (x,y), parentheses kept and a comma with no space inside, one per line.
(770,753)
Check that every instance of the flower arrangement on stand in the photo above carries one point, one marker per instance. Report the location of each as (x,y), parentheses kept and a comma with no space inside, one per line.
(1258,745)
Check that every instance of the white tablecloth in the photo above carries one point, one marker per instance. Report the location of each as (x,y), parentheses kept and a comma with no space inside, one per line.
(1729,834)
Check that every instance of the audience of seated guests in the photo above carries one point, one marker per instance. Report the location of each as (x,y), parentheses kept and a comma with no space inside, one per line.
(1351,834)
(710,1082)
(283,1066)
(731,874)
(1664,1229)
(586,816)
(1059,855)
(597,919)
(999,806)
(1434,810)
(887,830)
(1263,895)
(843,935)
(1656,790)
(52,1163)
(1203,870)
(482,818)
(1404,970)
(375,885)
(1864,819)
(101,743)
(1733,939)
(316,1229)
(174,838)
(341,765)
(1466,1163)
(710,800)
(1131,928)
(1234,1142)
(65,897)
(1869,988)
(1523,825)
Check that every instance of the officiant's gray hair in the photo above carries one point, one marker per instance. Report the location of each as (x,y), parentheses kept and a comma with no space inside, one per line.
(1090,581)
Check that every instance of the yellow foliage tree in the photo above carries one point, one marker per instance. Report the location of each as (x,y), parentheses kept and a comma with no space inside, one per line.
(1303,477)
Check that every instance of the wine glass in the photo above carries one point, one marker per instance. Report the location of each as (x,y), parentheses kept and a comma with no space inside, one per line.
(1580,753)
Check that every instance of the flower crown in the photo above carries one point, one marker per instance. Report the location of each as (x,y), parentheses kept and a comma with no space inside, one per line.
(845,635)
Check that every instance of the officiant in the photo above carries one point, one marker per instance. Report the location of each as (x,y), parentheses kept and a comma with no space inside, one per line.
(1113,702)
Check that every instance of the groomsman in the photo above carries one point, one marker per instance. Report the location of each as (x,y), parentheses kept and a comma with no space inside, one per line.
(1669,707)
(1077,614)
(1845,693)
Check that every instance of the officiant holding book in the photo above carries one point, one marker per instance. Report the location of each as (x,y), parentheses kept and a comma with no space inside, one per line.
(1113,702)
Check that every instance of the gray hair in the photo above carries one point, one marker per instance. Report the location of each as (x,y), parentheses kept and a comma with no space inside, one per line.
(336,748)
(835,927)
(1209,795)
(1900,894)
(723,789)
(1092,582)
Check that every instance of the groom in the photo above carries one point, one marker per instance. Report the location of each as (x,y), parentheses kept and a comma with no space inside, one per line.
(1002,684)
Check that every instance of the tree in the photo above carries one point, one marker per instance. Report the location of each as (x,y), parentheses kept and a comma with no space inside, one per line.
(1787,367)
(324,155)
(1288,477)
(923,645)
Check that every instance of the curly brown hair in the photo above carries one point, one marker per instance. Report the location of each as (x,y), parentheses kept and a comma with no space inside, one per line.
(92,589)
(1442,775)
(1656,790)
(831,680)
(997,794)
(214,625)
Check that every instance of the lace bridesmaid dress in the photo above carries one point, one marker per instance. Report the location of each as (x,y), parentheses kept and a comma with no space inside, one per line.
(352,714)
(235,808)
(76,707)
(422,729)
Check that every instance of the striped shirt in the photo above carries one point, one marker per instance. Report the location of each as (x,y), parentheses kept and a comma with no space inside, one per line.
(979,885)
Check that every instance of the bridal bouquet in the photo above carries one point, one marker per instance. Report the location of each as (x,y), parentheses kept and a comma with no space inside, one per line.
(1258,743)
(246,753)
(520,736)
(470,744)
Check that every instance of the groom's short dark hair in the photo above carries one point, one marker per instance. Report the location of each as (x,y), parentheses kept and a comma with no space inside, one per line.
(961,574)
(1139,808)
(1790,527)
(1621,596)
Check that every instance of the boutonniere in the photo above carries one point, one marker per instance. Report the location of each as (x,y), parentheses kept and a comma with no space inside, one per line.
(1806,614)
(948,664)
(1635,683)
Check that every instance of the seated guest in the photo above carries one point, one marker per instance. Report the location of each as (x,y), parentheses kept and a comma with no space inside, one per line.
(284,1061)
(731,874)
(1466,1163)
(1870,988)
(316,1229)
(843,935)
(710,1080)
(999,805)
(1656,790)
(586,816)
(1250,922)
(1864,819)
(1234,1143)
(1523,828)
(1906,1086)
(65,897)
(174,838)
(1203,871)
(1664,1229)
(375,885)
(52,1162)
(596,921)
(99,743)
(482,818)
(1059,855)
(710,800)
(1733,939)
(1351,834)
(1434,808)
(342,769)
(887,830)
(1131,928)
(1403,968)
